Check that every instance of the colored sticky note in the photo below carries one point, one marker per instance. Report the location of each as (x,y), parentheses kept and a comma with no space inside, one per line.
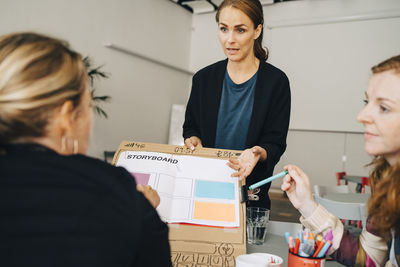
(211,211)
(141,178)
(211,189)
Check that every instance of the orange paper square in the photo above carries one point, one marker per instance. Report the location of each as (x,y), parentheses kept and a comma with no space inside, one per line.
(212,211)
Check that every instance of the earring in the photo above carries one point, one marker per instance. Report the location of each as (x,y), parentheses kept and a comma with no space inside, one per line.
(76,146)
(63,144)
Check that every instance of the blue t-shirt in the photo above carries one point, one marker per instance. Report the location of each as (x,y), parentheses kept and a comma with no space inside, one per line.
(234,113)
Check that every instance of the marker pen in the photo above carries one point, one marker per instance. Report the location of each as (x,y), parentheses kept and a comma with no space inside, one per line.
(287,234)
(320,246)
(296,246)
(324,249)
(329,235)
(291,248)
(268,180)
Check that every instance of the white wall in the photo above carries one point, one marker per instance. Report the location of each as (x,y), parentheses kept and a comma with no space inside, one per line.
(326,48)
(205,48)
(142,92)
(320,155)
(315,42)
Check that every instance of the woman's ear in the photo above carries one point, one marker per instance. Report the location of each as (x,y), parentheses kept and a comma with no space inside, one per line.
(66,117)
(257,31)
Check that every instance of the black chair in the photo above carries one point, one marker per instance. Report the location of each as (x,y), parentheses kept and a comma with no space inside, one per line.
(108,156)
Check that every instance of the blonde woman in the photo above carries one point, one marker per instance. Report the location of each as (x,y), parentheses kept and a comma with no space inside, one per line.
(58,206)
(379,243)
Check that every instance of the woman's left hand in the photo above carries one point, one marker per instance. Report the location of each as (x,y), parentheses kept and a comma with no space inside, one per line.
(244,165)
(150,194)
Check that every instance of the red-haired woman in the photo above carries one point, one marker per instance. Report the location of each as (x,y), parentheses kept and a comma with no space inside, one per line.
(379,243)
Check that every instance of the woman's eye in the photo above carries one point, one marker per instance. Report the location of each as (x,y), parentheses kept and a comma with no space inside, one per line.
(241,30)
(383,108)
(365,101)
(223,29)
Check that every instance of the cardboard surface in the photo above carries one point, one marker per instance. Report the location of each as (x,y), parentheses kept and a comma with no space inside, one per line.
(194,245)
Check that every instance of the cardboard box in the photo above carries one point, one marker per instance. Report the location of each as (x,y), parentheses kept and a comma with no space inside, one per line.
(196,245)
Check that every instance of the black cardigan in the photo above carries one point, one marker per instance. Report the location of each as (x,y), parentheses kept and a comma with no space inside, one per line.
(74,211)
(269,120)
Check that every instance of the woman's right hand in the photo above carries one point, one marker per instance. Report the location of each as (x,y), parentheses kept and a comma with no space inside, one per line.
(193,142)
(297,187)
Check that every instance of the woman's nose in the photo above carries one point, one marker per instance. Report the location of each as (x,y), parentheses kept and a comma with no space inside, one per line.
(364,116)
(231,37)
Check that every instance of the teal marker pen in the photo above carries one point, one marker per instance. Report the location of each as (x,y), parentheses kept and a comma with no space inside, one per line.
(268,180)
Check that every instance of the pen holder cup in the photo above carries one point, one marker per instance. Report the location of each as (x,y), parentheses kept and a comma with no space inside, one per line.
(297,261)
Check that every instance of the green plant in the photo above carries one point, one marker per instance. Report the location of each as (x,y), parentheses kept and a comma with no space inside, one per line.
(96,73)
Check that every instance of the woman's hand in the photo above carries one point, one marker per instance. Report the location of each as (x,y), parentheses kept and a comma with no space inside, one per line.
(297,187)
(150,194)
(193,142)
(244,165)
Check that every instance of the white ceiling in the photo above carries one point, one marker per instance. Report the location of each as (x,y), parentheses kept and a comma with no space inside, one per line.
(207,6)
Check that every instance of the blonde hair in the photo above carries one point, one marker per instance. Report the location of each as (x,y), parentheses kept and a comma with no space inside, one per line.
(37,75)
(384,204)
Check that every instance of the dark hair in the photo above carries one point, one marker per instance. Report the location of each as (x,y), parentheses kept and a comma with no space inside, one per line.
(253,9)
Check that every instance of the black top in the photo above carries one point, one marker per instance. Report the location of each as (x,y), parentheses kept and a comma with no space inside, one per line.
(269,120)
(74,211)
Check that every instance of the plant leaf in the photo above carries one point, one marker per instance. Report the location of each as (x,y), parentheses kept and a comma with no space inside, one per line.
(100,111)
(103,98)
(96,73)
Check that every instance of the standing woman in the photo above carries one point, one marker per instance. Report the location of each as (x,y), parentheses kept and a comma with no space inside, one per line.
(241,102)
